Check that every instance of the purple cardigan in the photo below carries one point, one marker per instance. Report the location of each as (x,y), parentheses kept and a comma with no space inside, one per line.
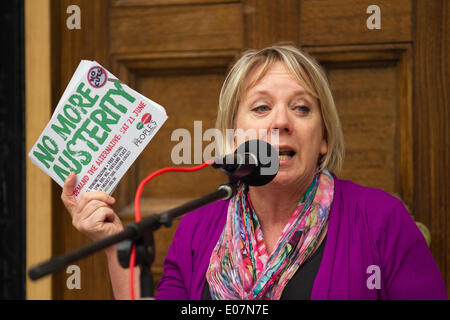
(367,227)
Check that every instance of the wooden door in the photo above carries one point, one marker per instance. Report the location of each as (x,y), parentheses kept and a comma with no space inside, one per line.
(177,53)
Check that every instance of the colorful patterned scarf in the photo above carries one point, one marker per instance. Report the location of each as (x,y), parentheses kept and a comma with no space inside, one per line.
(240,267)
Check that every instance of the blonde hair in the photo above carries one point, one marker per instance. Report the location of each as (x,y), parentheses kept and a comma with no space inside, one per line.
(310,75)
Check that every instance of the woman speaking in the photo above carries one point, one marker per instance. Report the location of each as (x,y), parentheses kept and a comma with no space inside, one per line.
(305,235)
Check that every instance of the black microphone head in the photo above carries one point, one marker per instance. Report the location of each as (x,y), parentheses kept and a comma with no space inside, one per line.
(267,162)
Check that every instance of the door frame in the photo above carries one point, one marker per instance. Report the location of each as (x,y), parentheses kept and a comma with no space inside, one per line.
(38,106)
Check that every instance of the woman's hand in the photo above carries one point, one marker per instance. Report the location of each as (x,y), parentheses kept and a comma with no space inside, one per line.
(91,213)
(93,216)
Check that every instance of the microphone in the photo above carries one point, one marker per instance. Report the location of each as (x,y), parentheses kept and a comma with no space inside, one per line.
(254,162)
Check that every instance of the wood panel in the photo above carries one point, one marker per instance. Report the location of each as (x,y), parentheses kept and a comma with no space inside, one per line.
(189,99)
(175,28)
(431,129)
(336,22)
(148,3)
(368,111)
(269,22)
(373,94)
(70,47)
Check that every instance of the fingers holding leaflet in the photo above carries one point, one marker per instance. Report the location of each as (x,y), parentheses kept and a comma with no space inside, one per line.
(103,222)
(91,212)
(99,196)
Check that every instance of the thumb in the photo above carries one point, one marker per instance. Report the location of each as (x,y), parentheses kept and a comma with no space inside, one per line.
(67,192)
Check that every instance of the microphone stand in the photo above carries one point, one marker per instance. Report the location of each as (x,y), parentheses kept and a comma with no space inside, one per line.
(139,233)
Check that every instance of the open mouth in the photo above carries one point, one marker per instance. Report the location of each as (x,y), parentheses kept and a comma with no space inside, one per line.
(285,154)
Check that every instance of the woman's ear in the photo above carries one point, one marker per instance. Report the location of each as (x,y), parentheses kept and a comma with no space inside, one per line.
(323,146)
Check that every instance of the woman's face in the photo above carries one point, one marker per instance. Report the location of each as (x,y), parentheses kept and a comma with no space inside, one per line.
(278,101)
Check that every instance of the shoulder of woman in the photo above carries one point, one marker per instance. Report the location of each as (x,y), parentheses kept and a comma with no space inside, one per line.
(382,216)
(408,268)
(378,206)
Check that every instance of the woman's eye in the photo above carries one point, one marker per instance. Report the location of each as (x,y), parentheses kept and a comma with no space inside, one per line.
(302,109)
(262,108)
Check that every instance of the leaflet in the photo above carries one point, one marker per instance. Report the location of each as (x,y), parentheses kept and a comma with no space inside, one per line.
(98,129)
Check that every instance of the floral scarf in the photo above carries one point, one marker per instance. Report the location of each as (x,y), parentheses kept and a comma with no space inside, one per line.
(241,268)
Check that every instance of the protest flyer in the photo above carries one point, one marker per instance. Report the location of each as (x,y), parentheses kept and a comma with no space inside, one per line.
(98,129)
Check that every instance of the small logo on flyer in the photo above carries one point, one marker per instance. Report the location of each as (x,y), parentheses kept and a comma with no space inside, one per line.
(97,77)
(144,120)
(149,127)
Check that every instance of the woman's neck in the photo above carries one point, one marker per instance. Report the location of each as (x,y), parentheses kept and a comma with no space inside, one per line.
(274,204)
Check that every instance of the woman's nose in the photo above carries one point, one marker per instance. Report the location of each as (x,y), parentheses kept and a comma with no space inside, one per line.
(281,120)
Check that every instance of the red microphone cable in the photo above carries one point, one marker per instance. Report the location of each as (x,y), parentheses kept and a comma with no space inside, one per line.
(137,209)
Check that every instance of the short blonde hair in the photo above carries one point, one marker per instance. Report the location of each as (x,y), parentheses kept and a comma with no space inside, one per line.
(310,75)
